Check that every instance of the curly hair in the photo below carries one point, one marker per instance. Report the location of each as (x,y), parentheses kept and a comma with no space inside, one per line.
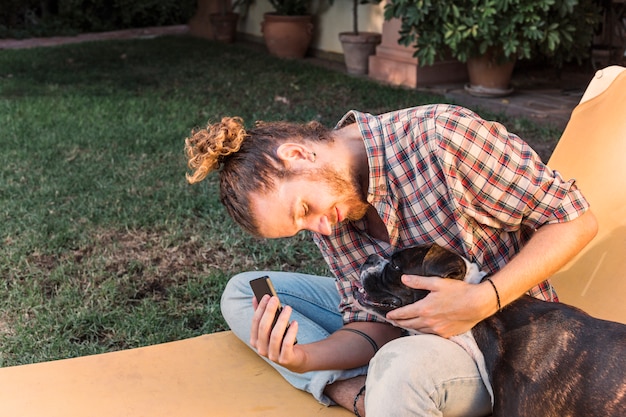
(247,161)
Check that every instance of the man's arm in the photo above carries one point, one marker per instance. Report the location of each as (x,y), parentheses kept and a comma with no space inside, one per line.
(350,349)
(454,307)
(551,247)
(341,350)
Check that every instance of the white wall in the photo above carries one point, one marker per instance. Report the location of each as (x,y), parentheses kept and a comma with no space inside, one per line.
(330,20)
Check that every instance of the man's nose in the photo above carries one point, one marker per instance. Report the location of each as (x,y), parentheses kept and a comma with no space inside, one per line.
(320,225)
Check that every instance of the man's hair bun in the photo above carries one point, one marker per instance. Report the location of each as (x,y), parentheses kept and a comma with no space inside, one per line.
(208,148)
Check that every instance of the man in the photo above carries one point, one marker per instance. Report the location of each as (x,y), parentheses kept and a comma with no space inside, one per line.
(436,173)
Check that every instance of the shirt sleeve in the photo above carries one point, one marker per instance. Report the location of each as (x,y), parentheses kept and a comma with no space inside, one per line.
(498,179)
(345,266)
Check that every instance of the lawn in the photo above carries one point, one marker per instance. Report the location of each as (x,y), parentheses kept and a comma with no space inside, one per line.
(103,244)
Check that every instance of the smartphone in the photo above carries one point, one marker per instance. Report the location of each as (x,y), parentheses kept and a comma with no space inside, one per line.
(261,286)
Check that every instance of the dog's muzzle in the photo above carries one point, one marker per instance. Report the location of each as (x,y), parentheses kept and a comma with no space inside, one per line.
(371,274)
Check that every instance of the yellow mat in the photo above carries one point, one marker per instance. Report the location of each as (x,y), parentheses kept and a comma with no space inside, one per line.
(212,375)
(593,150)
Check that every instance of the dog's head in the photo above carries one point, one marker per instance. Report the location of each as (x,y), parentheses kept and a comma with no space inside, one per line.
(382,289)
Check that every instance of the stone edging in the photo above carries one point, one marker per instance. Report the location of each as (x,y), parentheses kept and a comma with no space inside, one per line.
(149,32)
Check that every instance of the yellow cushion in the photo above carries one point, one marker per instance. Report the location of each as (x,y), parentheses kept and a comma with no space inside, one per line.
(211,375)
(593,150)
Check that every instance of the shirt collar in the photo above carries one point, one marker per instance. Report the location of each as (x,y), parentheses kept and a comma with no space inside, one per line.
(371,130)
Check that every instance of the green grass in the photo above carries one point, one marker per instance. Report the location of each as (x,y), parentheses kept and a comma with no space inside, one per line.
(103,245)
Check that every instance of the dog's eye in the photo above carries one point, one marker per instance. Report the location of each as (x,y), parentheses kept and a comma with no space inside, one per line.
(394,266)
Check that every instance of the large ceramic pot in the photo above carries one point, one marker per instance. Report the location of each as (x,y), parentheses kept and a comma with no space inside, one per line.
(224,26)
(357,48)
(200,24)
(489,77)
(287,36)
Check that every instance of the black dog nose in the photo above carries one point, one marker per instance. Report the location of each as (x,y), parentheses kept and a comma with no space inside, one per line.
(373,260)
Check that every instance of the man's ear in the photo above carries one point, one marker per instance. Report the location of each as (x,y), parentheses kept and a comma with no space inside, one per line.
(293,152)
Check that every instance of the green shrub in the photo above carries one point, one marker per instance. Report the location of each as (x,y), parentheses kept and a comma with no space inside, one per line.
(27,18)
(561,30)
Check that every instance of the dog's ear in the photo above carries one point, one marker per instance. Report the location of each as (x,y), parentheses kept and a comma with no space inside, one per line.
(409,260)
(444,263)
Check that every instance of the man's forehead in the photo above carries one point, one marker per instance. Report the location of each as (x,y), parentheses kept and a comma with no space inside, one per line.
(273,212)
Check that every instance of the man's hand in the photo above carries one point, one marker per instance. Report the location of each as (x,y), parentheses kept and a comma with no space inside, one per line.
(452,307)
(277,344)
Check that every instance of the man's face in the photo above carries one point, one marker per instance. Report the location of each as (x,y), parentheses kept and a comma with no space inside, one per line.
(316,200)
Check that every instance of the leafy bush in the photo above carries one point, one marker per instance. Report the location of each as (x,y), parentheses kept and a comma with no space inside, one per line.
(522,29)
(25,18)
(291,7)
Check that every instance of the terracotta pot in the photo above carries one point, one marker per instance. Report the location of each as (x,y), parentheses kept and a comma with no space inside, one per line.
(200,24)
(287,36)
(224,26)
(488,77)
(357,48)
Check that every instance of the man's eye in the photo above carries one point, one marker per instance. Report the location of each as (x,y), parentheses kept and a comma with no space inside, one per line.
(305,210)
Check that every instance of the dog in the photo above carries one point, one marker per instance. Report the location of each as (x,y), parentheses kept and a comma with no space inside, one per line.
(542,358)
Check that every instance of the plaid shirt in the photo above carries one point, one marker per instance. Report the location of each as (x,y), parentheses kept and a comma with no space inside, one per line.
(441,174)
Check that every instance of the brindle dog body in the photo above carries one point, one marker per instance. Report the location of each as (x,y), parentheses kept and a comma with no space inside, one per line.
(542,358)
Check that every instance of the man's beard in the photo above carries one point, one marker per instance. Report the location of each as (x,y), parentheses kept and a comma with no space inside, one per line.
(348,189)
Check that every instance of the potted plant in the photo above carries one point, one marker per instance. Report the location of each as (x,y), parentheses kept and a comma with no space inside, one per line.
(288,30)
(224,22)
(358,46)
(490,35)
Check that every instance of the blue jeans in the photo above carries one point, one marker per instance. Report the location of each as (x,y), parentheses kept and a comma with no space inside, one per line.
(412,376)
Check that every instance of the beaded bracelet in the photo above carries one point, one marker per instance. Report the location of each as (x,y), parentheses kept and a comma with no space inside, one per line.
(356,399)
(497,294)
